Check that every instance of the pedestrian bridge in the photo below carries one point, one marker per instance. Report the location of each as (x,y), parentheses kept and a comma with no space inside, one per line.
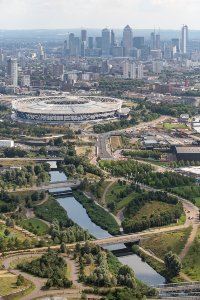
(121,239)
(60,184)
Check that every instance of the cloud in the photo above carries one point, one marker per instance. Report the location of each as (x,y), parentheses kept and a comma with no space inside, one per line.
(98,13)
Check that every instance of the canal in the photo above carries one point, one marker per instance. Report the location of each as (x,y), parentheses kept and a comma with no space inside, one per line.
(78,214)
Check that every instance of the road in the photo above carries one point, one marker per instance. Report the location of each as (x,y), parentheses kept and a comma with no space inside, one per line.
(102,147)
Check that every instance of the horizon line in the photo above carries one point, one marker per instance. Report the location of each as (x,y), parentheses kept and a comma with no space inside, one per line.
(94,28)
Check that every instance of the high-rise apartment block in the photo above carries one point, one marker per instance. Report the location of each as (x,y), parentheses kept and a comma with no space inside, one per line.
(140,71)
(26,81)
(129,70)
(157,66)
(12,71)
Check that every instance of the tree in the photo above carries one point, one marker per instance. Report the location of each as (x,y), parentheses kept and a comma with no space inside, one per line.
(6,232)
(63,248)
(80,169)
(20,280)
(43,151)
(35,196)
(173,263)
(10,222)
(58,141)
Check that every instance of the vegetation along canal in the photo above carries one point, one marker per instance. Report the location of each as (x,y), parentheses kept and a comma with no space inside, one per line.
(78,214)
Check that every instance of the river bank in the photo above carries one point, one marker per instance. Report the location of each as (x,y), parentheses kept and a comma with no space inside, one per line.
(78,214)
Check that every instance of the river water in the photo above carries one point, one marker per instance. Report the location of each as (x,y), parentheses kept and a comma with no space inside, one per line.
(78,214)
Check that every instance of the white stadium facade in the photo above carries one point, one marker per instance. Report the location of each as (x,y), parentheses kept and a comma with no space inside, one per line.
(66,109)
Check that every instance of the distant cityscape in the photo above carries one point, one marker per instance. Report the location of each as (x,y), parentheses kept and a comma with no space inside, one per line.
(29,65)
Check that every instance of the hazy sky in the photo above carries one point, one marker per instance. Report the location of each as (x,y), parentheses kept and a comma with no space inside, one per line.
(166,14)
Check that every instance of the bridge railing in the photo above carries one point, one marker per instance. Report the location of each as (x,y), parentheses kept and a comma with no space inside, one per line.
(168,285)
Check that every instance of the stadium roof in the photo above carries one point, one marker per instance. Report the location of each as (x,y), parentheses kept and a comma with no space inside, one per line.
(68,105)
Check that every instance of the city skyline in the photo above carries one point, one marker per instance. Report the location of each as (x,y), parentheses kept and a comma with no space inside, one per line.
(49,14)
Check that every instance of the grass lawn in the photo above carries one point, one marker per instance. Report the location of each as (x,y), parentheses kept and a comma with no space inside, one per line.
(68,271)
(165,242)
(85,150)
(20,260)
(11,163)
(150,208)
(197,201)
(124,202)
(182,220)
(13,233)
(100,188)
(88,270)
(174,126)
(113,191)
(8,284)
(113,195)
(35,225)
(104,186)
(115,142)
(191,263)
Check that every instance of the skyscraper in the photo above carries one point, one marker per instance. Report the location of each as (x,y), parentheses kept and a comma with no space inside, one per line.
(176,43)
(157,41)
(138,42)
(153,40)
(83,48)
(127,41)
(65,49)
(83,35)
(184,39)
(12,70)
(90,42)
(98,42)
(112,38)
(106,42)
(40,51)
(71,44)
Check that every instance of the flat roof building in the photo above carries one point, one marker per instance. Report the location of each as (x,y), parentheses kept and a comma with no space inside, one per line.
(187,153)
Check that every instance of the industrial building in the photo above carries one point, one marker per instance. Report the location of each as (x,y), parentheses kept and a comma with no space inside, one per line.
(187,153)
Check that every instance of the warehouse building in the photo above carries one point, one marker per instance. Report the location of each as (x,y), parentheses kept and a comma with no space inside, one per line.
(187,153)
